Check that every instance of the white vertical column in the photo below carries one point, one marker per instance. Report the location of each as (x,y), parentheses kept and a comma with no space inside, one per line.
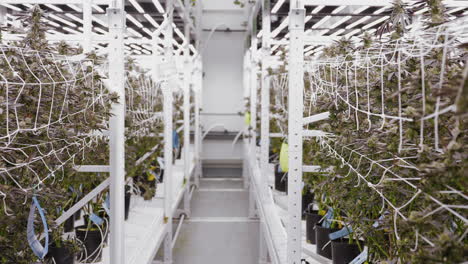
(253,92)
(116,17)
(253,112)
(168,128)
(295,110)
(198,75)
(187,84)
(265,92)
(87,26)
(265,114)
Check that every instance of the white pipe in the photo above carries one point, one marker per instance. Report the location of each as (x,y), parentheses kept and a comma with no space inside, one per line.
(181,221)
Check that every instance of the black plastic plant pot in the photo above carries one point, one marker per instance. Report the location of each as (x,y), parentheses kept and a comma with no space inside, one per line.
(92,240)
(322,240)
(281,182)
(61,255)
(69,224)
(77,214)
(312,219)
(343,252)
(128,197)
(161,176)
(307,198)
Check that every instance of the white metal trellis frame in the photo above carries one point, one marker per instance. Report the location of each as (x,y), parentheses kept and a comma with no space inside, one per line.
(295,116)
(168,138)
(116,16)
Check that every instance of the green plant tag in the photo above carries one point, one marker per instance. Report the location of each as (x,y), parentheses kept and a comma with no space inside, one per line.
(284,157)
(247,118)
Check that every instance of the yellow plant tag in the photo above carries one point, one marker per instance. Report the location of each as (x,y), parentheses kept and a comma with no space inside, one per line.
(284,157)
(247,118)
(150,176)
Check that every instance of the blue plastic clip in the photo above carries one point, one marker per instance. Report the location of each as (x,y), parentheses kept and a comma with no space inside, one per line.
(175,139)
(327,218)
(96,219)
(341,233)
(39,250)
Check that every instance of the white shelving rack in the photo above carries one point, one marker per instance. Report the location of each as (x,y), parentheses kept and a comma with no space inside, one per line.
(282,230)
(150,223)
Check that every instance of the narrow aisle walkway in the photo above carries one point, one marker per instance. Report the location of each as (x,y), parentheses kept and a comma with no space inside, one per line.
(219,230)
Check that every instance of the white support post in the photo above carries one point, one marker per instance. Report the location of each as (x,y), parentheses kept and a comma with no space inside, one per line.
(87,26)
(253,93)
(197,139)
(265,114)
(295,124)
(168,128)
(116,16)
(186,89)
(253,112)
(265,93)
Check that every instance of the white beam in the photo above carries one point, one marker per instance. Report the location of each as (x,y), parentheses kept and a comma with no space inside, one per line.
(56,2)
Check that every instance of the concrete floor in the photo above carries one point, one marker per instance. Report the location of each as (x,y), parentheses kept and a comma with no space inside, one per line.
(219,230)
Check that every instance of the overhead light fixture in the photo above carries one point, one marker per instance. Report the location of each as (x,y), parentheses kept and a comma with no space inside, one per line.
(134,32)
(317,9)
(158,6)
(53,7)
(98,8)
(64,21)
(321,21)
(151,20)
(375,22)
(77,19)
(75,8)
(352,33)
(52,23)
(456,10)
(99,21)
(339,22)
(134,21)
(338,9)
(137,6)
(100,30)
(147,31)
(380,10)
(12,7)
(357,22)
(338,32)
(71,30)
(277,6)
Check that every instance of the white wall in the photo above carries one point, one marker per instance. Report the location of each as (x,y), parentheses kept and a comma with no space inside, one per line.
(223,88)
(222,64)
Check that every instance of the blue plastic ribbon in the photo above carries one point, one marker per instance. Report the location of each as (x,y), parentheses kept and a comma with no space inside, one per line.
(39,250)
(96,219)
(361,258)
(377,223)
(327,219)
(106,205)
(160,162)
(175,139)
(341,233)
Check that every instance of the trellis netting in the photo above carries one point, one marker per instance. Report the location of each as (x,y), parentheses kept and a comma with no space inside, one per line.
(399,134)
(52,107)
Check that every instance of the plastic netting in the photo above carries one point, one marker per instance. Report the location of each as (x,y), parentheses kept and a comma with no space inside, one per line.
(403,90)
(51,109)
